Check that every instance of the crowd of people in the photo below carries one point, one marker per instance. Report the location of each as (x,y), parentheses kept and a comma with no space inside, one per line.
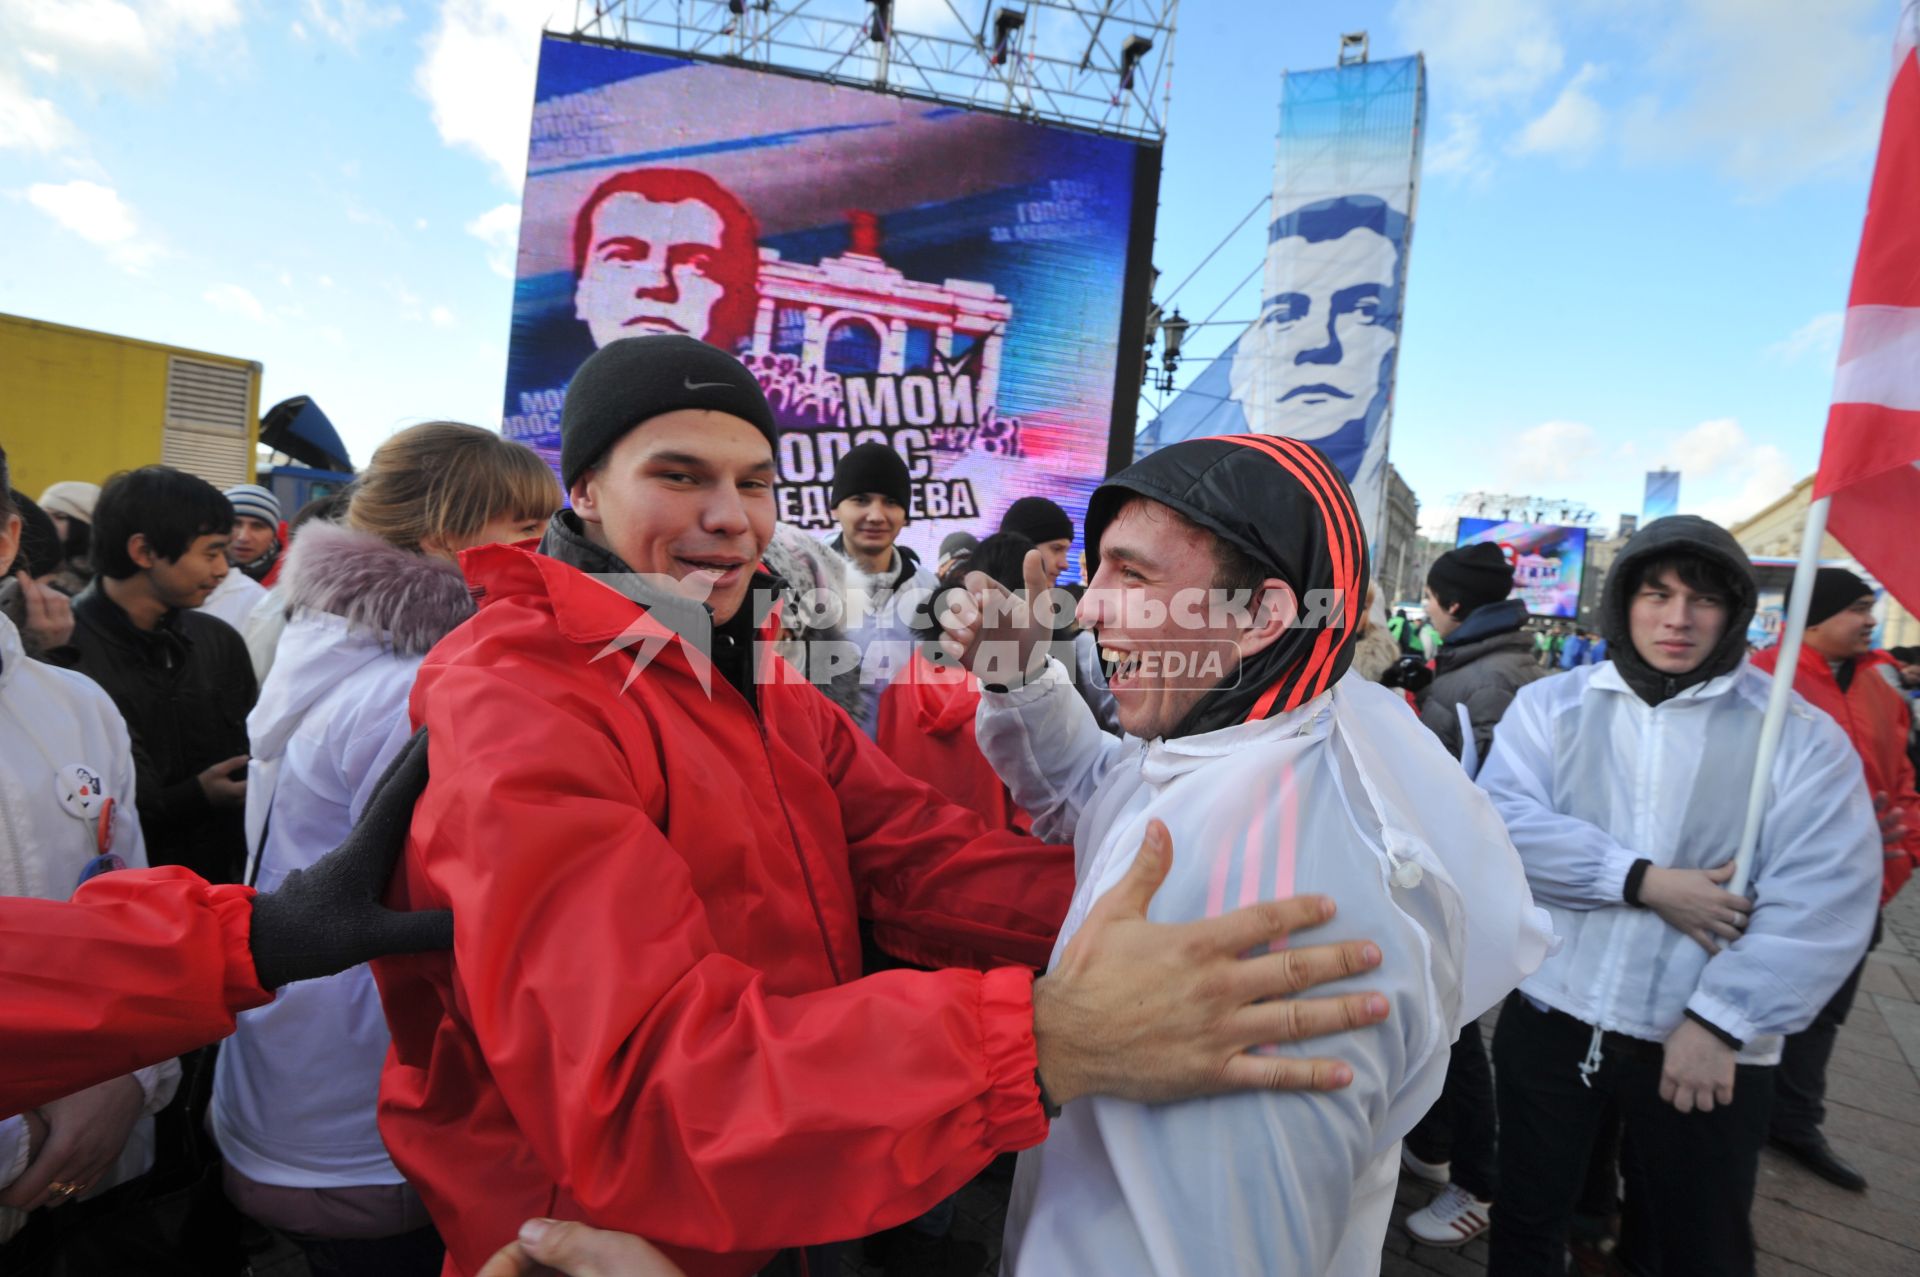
(710,898)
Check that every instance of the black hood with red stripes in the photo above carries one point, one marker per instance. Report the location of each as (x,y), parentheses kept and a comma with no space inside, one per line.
(1283,503)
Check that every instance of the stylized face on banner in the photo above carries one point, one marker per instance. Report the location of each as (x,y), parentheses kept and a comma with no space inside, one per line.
(664,251)
(1315,361)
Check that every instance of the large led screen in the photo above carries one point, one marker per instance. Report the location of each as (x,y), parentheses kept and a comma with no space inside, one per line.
(948,282)
(1548,561)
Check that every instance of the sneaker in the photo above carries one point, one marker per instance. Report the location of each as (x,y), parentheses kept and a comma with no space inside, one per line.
(1435,1173)
(1453,1218)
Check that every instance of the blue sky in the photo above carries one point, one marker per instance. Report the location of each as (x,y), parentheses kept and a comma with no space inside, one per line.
(1635,232)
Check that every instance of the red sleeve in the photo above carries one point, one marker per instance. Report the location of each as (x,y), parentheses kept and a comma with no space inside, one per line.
(655,1078)
(140,965)
(941,887)
(1903,858)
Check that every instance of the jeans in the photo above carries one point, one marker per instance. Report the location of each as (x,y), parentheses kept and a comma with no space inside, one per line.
(1689,1176)
(1800,1085)
(1459,1128)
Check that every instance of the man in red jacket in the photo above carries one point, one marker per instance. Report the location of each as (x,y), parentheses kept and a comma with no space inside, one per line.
(1837,673)
(659,842)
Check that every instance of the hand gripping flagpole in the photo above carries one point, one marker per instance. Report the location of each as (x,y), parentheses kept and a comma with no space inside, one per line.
(1775,721)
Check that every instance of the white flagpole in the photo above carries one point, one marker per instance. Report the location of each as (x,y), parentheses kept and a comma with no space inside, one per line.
(1775,721)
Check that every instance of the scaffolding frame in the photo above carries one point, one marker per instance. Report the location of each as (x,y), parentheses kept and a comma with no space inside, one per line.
(1101,65)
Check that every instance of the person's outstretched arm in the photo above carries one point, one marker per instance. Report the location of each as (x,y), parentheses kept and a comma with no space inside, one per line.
(143,964)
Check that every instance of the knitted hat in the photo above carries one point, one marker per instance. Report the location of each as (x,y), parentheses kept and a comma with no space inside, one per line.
(1472,576)
(872,467)
(957,543)
(254,502)
(1834,591)
(635,379)
(72,498)
(1038,520)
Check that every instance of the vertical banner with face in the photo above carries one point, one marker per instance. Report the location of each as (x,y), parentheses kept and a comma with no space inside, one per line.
(1318,363)
(1662,495)
(947,282)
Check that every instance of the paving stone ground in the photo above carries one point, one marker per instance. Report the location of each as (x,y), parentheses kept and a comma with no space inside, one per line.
(1805,1226)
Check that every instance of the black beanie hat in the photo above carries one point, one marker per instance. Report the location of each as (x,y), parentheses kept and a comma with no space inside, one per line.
(635,379)
(1472,576)
(1038,520)
(872,467)
(1834,591)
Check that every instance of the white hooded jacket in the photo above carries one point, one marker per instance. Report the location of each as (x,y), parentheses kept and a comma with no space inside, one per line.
(296,1085)
(1591,778)
(1346,796)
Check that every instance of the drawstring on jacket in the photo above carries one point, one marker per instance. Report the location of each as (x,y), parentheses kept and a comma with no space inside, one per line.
(1591,1065)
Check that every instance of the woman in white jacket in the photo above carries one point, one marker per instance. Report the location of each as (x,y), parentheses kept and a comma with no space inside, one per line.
(295,1093)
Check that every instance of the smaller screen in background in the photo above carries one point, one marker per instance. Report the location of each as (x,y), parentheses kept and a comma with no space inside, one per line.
(1549,560)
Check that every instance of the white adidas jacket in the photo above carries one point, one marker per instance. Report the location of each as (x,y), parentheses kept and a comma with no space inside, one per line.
(1346,796)
(1590,778)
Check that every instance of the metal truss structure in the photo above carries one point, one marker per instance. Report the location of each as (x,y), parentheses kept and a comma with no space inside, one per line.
(1521,509)
(1102,65)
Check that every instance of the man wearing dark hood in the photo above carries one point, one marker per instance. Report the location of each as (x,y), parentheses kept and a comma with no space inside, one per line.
(1228,577)
(1621,784)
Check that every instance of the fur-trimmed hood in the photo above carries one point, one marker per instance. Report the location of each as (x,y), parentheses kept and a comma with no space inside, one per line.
(411,600)
(362,614)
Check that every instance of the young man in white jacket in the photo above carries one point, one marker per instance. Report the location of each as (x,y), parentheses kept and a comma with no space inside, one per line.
(1274,778)
(66,799)
(1622,786)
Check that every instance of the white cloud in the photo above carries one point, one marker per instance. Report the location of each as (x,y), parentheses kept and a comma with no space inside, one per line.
(441,317)
(1819,336)
(1708,448)
(235,300)
(1551,452)
(114,42)
(1457,153)
(478,75)
(1763,476)
(1495,50)
(345,21)
(29,123)
(97,214)
(1770,91)
(1572,126)
(499,229)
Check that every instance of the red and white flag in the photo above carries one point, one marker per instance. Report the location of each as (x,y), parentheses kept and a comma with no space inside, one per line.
(1870,464)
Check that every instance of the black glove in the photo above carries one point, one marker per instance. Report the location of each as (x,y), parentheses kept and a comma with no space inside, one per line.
(329,917)
(1409,674)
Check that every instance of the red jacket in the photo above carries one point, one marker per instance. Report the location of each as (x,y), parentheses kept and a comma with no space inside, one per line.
(652,1018)
(926,727)
(1876,719)
(139,965)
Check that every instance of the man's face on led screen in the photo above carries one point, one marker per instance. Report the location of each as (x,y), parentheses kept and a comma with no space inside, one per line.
(646,268)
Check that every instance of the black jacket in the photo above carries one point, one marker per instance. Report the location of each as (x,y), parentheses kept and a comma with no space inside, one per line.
(185,689)
(1480,665)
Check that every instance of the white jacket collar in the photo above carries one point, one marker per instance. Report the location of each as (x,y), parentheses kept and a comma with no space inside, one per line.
(1607,679)
(1165,760)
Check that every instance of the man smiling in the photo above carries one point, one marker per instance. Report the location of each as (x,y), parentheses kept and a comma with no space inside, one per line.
(1227,576)
(654,1019)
